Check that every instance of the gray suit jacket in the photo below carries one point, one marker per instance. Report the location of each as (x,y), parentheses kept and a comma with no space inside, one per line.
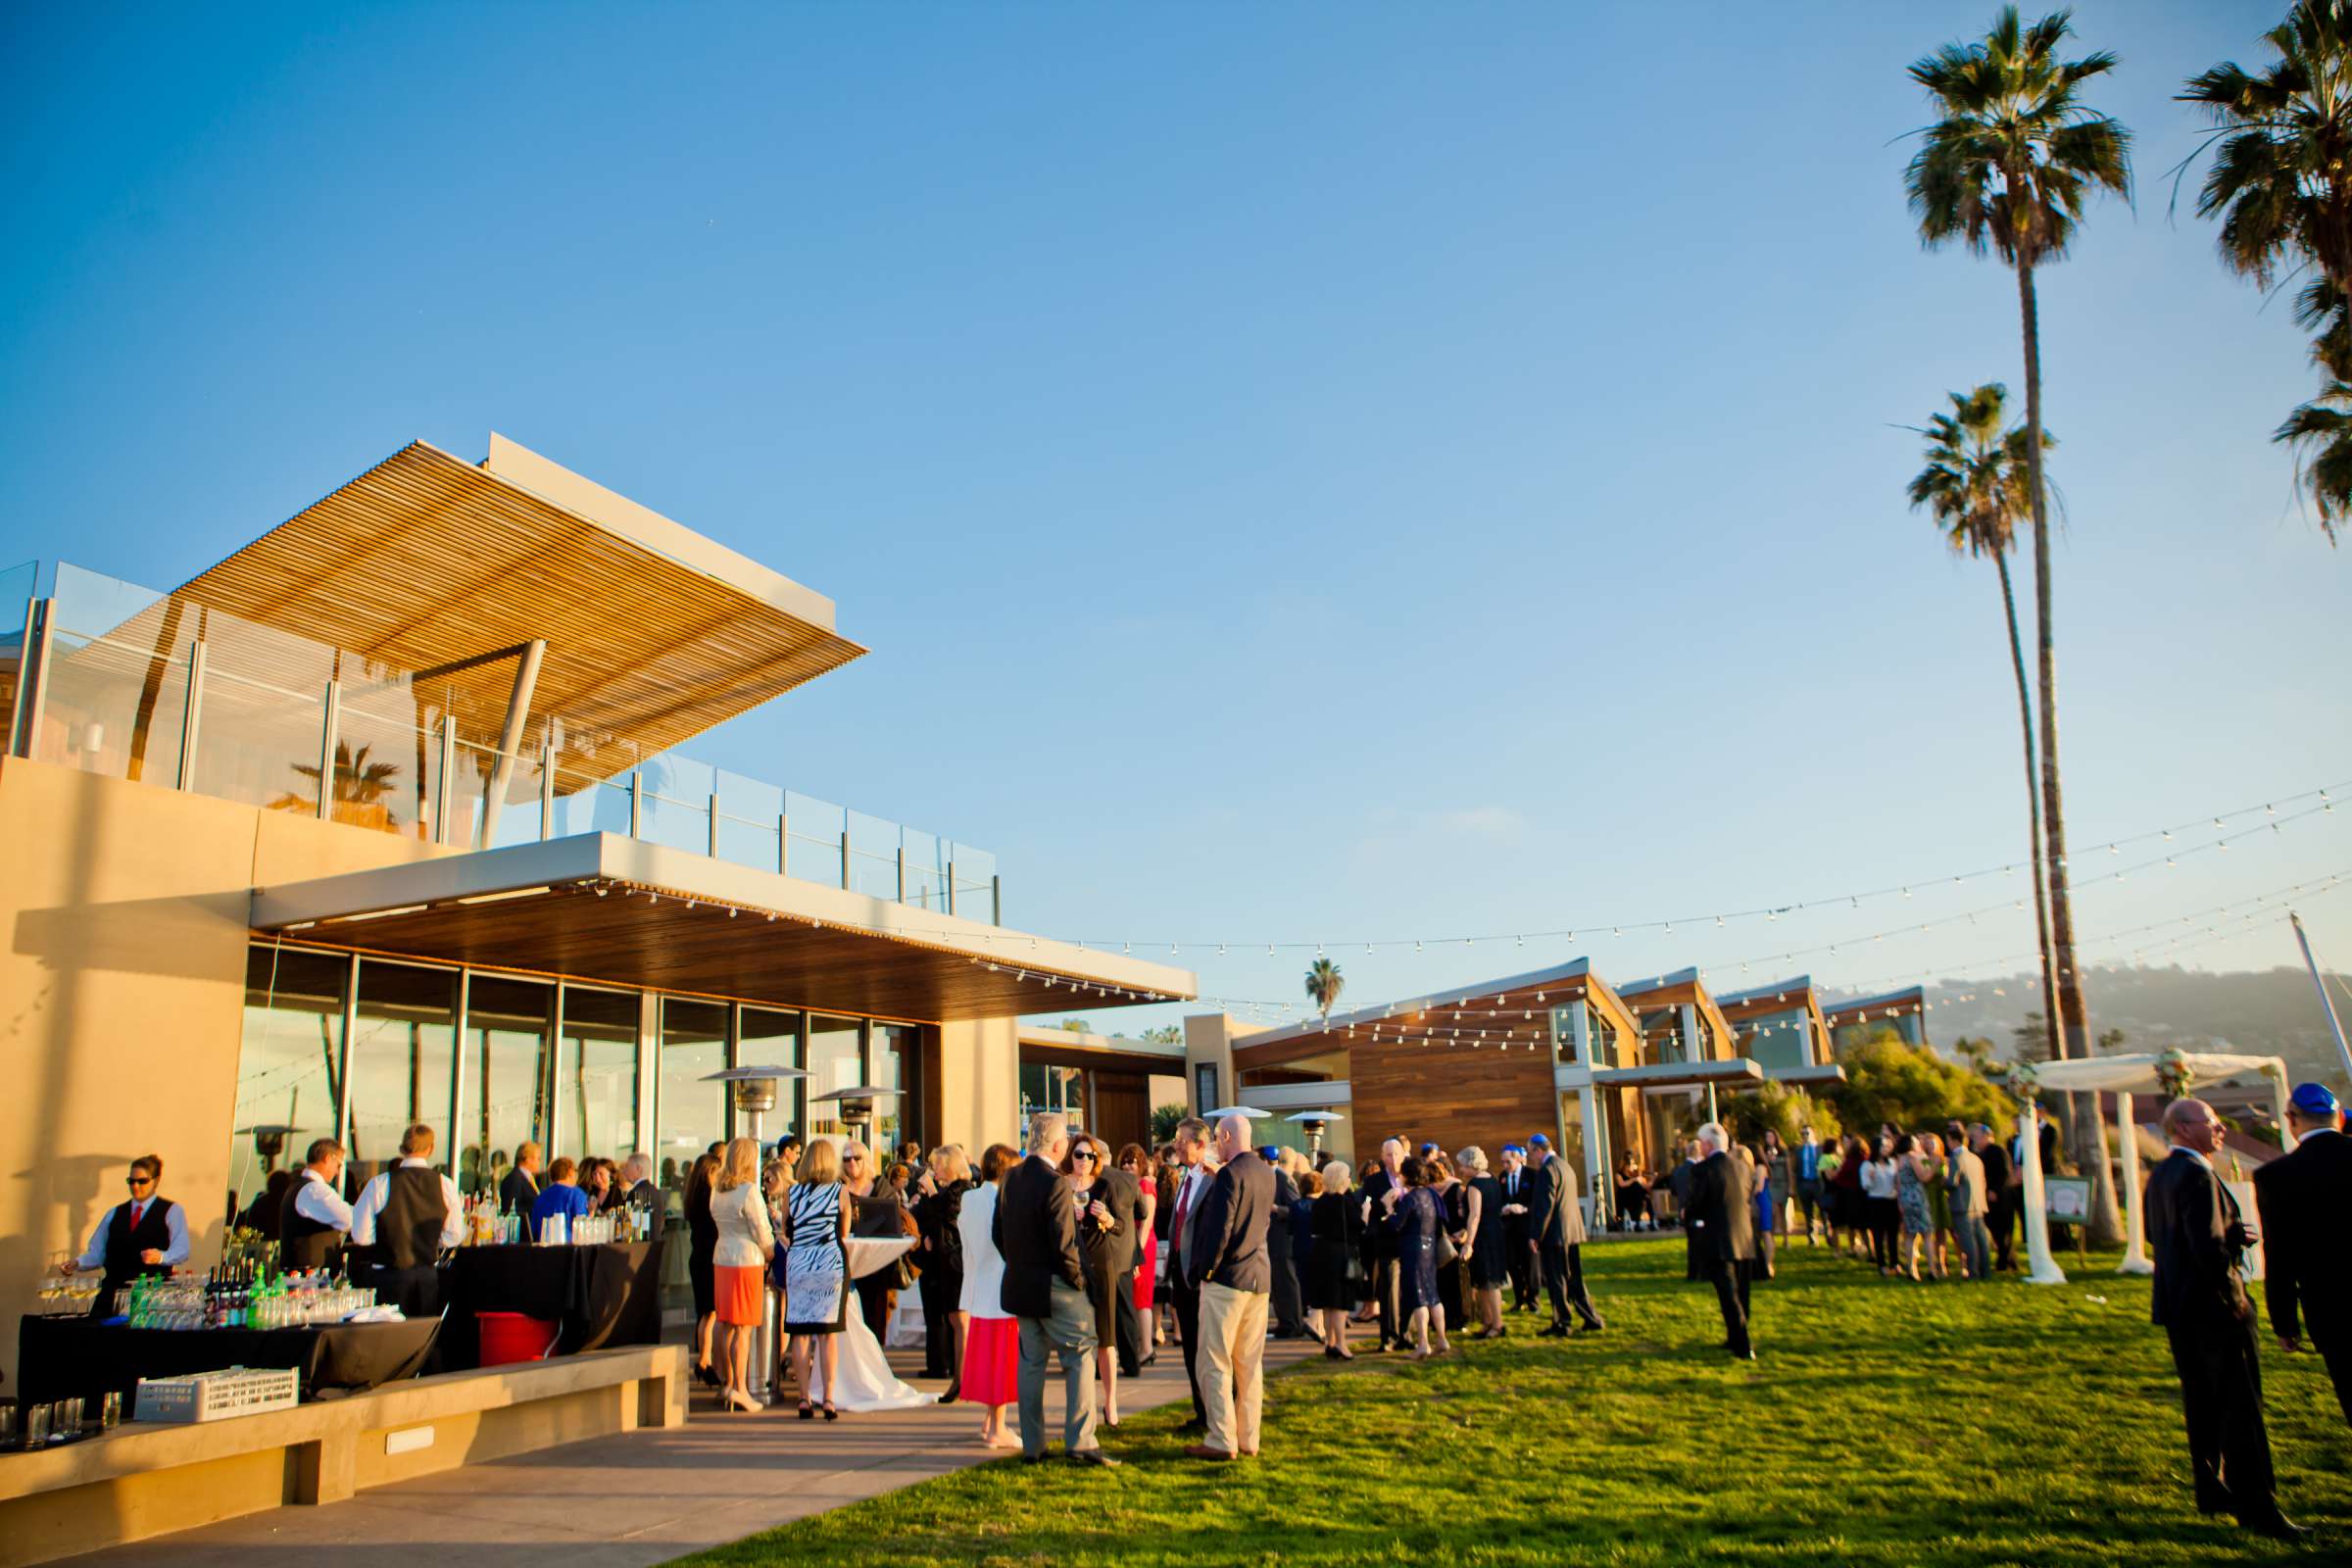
(1564,1226)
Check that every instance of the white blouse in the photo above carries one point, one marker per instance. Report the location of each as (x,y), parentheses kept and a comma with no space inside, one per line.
(983,1264)
(745,1237)
(1878,1179)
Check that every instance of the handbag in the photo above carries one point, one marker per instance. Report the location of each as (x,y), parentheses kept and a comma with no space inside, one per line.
(1448,1254)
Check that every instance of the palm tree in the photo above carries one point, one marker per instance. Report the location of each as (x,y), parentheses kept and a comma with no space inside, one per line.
(358,782)
(2321,432)
(1974,487)
(2281,177)
(2009,165)
(1324,983)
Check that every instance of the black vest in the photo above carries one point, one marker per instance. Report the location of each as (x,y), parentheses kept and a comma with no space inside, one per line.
(303,1242)
(407,1231)
(124,1244)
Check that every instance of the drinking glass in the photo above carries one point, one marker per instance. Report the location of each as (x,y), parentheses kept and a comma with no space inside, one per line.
(110,1409)
(36,1426)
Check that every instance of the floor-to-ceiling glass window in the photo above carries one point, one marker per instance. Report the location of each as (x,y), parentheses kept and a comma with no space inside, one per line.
(693,1114)
(596,1073)
(897,1061)
(504,1106)
(836,1061)
(403,1063)
(289,1065)
(768,1038)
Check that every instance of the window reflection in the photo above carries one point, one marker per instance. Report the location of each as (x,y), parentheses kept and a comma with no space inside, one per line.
(403,1063)
(596,1073)
(289,1062)
(694,1113)
(835,1062)
(772,1039)
(506,1028)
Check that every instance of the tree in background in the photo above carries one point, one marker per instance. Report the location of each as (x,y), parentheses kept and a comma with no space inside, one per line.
(1166,1033)
(1077,1026)
(1888,1079)
(1324,983)
(2009,165)
(1975,488)
(2280,183)
(1163,1122)
(1785,1111)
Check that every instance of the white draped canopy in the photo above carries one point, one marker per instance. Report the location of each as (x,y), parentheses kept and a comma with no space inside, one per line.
(2124,1077)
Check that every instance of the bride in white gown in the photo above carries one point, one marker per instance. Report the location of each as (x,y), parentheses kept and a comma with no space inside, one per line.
(863,1381)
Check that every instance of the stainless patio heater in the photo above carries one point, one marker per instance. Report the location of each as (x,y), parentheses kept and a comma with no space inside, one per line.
(754,1089)
(1312,1123)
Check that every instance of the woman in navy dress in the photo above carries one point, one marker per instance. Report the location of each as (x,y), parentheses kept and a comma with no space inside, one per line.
(1413,1221)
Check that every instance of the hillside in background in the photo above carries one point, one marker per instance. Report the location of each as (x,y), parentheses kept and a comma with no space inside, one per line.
(2271,1012)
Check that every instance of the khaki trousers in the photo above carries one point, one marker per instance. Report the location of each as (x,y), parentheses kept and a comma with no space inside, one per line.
(1233,1382)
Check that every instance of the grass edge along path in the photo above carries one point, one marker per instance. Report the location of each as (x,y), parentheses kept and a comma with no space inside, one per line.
(1886,1423)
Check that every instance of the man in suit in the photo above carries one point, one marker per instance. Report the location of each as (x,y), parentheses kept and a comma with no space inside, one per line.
(1723,1234)
(519,1189)
(2304,1198)
(1185,1203)
(1036,1229)
(1964,1178)
(2000,1194)
(1380,1247)
(1288,1305)
(1518,1245)
(2200,1240)
(1234,1275)
(1556,1222)
(1125,1201)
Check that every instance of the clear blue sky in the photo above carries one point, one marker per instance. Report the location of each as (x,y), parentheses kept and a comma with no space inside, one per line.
(1306,473)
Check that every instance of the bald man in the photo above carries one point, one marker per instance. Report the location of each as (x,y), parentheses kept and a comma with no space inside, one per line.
(1230,1266)
(2200,1239)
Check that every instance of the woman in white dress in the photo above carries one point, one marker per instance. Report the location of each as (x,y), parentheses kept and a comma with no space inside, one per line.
(992,1343)
(816,1274)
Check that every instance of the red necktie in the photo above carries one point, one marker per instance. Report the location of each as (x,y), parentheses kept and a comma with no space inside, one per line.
(138,1213)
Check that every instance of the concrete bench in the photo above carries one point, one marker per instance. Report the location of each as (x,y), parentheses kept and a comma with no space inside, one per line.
(146,1478)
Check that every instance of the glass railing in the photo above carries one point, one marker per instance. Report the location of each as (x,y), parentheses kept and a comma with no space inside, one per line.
(133,684)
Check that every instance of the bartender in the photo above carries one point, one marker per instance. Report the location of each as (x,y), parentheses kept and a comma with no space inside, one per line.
(314,1221)
(148,1234)
(399,1224)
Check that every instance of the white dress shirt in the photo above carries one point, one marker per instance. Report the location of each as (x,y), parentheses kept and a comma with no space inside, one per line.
(175,1222)
(372,1204)
(316,1201)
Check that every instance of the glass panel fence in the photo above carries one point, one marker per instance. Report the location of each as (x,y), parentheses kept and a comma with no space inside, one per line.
(747,812)
(873,857)
(674,795)
(816,830)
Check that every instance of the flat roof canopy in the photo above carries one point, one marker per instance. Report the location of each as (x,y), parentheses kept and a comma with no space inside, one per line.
(1072,1048)
(599,907)
(654,633)
(1511,1011)
(1659,1076)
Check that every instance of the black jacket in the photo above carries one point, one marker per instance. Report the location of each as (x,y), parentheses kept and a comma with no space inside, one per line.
(518,1190)
(1123,1195)
(2305,1200)
(1996,1155)
(1377,1242)
(2197,1236)
(935,1216)
(1229,1239)
(1036,1229)
(1723,1210)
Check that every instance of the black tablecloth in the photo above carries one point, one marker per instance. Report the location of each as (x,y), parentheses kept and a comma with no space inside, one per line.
(599,1295)
(59,1357)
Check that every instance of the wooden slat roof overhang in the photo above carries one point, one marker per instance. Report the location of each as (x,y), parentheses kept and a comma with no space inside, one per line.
(426,561)
(624,912)
(1511,1011)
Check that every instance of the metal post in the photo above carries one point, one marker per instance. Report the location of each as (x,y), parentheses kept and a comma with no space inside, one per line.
(845,853)
(996,900)
(714,824)
(950,884)
(449,777)
(1711,1100)
(510,740)
(192,715)
(332,714)
(32,677)
(783,843)
(2327,1002)
(901,873)
(636,803)
(547,792)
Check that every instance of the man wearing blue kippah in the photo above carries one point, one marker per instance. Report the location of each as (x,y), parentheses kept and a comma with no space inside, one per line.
(2304,1198)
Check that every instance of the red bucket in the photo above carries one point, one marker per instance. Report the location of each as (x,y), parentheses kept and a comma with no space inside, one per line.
(508,1336)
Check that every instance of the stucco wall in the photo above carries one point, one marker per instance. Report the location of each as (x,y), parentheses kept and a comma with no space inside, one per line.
(121,994)
(980,1082)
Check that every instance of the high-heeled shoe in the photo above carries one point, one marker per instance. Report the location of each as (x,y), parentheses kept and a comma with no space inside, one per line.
(707,1375)
(807,1411)
(737,1399)
(831,1414)
(951,1396)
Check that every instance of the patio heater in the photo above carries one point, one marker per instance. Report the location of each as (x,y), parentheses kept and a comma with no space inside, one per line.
(754,1089)
(268,1141)
(1312,1123)
(857,1104)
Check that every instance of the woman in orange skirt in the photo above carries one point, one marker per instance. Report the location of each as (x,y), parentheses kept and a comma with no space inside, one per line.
(738,1265)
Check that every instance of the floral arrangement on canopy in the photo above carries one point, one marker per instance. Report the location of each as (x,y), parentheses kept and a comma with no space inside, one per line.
(2173,1073)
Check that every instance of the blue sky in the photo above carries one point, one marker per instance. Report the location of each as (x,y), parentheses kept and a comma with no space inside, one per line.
(1307,473)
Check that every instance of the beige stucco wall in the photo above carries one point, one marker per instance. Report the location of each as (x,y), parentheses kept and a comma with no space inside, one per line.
(980,1082)
(122,991)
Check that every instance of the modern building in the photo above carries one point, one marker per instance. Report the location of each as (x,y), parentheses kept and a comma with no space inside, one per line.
(1905,1009)
(1107,1083)
(377,821)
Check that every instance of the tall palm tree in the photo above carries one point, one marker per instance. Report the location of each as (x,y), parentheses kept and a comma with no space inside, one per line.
(2281,176)
(2321,432)
(1974,487)
(1324,983)
(2008,165)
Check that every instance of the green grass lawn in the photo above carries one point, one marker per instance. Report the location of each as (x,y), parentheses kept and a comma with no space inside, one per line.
(1885,1423)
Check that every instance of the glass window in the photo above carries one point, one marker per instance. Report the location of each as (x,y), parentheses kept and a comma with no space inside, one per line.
(1572,1138)
(403,1063)
(897,1061)
(694,1113)
(596,1074)
(1205,1089)
(289,1065)
(836,1061)
(506,1028)
(770,1038)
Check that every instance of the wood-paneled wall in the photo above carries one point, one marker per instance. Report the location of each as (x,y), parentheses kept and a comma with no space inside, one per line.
(1450,1095)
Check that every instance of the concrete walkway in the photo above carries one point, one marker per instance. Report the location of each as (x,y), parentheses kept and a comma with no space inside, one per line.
(632,1500)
